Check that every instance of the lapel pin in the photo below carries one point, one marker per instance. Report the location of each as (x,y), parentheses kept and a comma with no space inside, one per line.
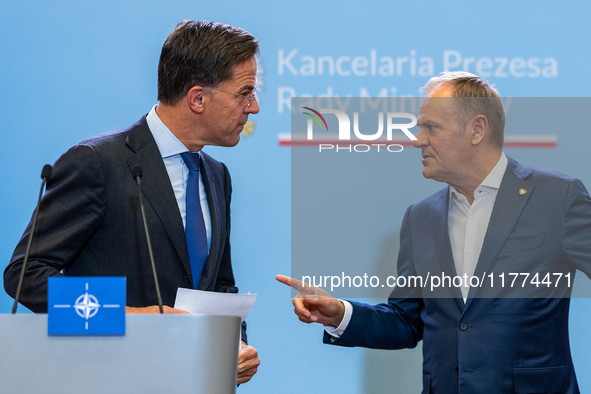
(522,191)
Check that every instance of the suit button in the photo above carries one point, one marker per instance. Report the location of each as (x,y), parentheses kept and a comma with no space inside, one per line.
(457,371)
(463,326)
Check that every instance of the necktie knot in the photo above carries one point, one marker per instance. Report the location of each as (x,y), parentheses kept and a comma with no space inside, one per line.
(191,160)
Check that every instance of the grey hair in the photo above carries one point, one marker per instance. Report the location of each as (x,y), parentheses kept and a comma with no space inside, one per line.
(476,97)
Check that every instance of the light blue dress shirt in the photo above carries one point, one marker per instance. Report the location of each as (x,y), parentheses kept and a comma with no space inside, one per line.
(170,149)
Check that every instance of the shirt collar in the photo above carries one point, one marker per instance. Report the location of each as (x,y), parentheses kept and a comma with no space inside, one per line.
(167,143)
(492,180)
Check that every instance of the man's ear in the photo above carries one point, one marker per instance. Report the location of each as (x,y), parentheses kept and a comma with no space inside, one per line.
(195,99)
(478,128)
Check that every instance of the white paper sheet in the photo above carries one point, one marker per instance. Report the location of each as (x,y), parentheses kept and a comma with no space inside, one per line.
(212,303)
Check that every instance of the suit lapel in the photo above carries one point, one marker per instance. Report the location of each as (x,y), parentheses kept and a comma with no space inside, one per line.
(211,190)
(507,209)
(442,247)
(162,199)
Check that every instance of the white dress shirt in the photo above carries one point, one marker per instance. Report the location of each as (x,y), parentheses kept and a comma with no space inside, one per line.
(170,149)
(467,225)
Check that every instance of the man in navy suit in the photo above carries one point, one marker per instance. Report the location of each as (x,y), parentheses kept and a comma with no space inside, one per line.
(495,217)
(90,222)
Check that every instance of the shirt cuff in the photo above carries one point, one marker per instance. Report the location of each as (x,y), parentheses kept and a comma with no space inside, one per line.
(337,332)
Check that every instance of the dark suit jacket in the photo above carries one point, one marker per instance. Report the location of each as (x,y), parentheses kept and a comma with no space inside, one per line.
(90,223)
(508,339)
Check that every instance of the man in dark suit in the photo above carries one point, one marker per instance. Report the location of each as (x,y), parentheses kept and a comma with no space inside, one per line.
(90,222)
(495,218)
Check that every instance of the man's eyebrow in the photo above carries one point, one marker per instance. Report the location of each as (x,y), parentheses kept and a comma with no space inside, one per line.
(426,122)
(247,87)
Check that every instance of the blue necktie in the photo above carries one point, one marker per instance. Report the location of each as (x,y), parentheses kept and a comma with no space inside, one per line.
(195,228)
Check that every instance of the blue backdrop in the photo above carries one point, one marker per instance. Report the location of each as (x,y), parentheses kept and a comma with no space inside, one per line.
(73,69)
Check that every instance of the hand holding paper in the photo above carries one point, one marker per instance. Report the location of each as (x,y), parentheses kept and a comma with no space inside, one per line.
(212,303)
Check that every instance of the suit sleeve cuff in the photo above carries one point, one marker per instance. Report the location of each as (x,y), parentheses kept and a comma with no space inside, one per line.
(337,332)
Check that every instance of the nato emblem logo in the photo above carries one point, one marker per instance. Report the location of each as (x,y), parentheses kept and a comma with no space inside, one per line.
(86,306)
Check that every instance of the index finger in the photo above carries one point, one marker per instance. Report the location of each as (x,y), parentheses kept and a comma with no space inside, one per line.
(304,288)
(294,283)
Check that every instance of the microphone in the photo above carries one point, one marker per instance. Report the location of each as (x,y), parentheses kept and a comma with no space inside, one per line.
(137,174)
(45,175)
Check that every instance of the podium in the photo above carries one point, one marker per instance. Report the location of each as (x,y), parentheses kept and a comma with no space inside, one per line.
(195,354)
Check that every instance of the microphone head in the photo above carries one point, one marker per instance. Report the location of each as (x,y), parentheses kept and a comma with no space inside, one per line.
(46,172)
(137,171)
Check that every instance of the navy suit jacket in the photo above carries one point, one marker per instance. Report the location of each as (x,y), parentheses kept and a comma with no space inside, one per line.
(504,339)
(90,223)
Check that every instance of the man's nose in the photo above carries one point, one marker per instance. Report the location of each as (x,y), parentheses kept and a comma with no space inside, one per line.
(421,140)
(254,107)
